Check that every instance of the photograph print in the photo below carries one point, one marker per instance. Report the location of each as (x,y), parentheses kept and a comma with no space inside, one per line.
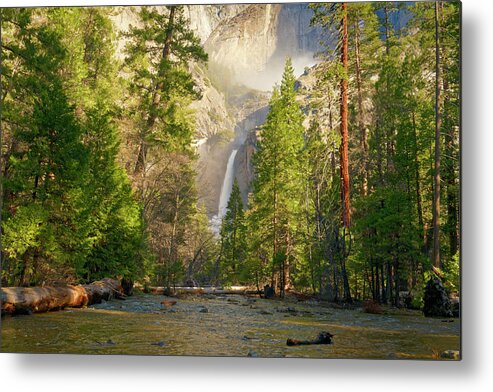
(247,180)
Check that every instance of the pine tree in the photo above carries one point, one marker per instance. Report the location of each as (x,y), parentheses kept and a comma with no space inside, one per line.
(94,223)
(160,79)
(233,239)
(45,155)
(450,37)
(278,185)
(436,192)
(160,90)
(343,161)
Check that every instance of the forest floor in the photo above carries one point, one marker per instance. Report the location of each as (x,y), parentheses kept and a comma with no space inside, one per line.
(229,325)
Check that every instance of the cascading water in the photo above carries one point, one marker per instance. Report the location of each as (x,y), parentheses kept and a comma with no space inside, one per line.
(225,193)
(227,185)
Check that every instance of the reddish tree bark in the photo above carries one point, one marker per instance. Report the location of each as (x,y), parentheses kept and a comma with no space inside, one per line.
(344,160)
(346,205)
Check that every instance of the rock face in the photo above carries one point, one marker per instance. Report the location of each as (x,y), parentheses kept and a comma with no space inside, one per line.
(252,114)
(243,164)
(436,301)
(245,43)
(224,125)
(205,18)
(211,112)
(252,46)
(296,35)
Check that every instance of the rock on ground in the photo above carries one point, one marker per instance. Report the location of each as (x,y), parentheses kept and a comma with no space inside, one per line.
(451,354)
(436,300)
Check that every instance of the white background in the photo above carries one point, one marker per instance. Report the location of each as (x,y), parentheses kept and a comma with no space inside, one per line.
(474,373)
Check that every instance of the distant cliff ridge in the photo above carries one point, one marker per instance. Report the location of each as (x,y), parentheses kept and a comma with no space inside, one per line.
(253,45)
(204,19)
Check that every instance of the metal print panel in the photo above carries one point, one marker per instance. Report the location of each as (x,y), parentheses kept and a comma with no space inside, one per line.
(253,180)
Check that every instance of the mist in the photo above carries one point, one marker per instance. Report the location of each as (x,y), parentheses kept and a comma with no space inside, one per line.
(266,79)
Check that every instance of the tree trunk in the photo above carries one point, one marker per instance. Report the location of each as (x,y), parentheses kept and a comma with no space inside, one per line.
(377,285)
(372,282)
(382,281)
(390,147)
(43,299)
(452,215)
(345,280)
(239,290)
(361,125)
(345,197)
(396,282)
(346,206)
(416,175)
(274,245)
(332,154)
(388,285)
(378,142)
(436,196)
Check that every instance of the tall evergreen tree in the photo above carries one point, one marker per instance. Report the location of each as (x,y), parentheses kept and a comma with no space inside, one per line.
(64,137)
(233,238)
(157,56)
(114,227)
(344,160)
(436,192)
(278,185)
(44,156)
(161,88)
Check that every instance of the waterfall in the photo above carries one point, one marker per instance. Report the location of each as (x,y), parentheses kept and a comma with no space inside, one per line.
(225,193)
(227,185)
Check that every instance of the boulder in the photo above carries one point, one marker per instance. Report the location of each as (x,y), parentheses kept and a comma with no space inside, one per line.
(268,292)
(406,298)
(451,354)
(127,286)
(191,283)
(436,300)
(455,304)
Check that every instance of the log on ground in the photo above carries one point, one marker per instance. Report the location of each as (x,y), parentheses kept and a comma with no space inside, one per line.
(22,300)
(240,290)
(323,338)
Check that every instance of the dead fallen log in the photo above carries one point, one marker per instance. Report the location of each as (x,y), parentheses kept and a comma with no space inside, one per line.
(239,290)
(323,338)
(26,300)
